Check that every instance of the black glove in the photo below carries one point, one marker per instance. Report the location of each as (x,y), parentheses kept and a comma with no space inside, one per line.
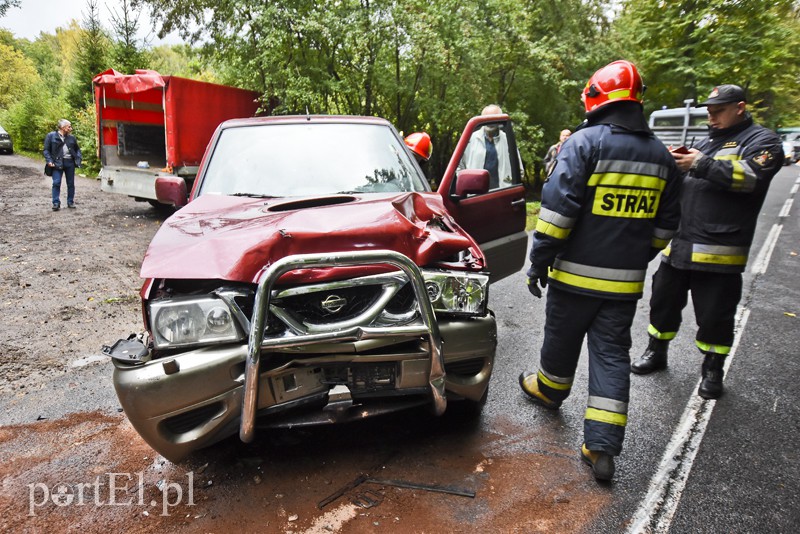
(536,279)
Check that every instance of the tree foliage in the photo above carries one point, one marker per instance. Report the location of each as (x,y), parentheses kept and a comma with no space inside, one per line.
(16,77)
(685,48)
(6,4)
(128,52)
(91,57)
(420,64)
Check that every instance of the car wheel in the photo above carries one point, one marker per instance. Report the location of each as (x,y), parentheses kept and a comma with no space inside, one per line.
(469,408)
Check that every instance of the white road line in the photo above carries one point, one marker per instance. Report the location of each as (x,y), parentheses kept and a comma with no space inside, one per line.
(794,189)
(657,509)
(786,207)
(762,260)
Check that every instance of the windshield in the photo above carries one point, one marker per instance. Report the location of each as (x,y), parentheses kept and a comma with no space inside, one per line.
(694,120)
(287,160)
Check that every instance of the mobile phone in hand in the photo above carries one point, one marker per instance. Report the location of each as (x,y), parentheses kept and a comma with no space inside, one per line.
(681,150)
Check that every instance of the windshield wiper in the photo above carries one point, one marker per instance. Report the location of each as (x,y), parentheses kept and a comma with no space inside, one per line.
(251,195)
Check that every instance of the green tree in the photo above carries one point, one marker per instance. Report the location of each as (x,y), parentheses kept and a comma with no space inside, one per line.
(31,116)
(90,58)
(17,76)
(6,4)
(685,48)
(129,53)
(182,60)
(422,65)
(85,121)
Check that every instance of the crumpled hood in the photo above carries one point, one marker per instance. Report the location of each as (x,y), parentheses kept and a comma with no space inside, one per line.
(233,238)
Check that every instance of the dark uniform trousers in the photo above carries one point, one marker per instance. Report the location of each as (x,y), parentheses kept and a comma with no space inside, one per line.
(606,324)
(714,295)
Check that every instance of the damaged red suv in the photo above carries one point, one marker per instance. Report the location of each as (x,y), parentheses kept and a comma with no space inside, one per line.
(313,277)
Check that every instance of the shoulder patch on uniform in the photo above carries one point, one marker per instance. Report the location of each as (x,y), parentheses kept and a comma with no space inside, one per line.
(730,144)
(763,158)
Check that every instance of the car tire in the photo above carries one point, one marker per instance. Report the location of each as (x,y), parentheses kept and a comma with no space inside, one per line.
(468,408)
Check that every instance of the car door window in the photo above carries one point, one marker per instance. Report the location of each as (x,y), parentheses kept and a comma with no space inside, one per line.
(492,147)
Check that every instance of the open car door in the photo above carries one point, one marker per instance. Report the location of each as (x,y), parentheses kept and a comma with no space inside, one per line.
(494,216)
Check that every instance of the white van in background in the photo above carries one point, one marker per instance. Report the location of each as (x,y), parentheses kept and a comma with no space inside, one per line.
(680,126)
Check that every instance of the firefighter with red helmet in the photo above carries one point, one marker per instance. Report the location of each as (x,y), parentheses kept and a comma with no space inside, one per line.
(419,143)
(609,206)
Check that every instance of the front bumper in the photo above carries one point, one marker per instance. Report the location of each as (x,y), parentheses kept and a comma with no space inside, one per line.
(188,401)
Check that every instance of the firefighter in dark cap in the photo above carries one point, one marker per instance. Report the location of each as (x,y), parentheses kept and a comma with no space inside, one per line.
(727,177)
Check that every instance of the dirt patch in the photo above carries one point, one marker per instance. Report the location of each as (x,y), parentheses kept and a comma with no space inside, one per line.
(91,472)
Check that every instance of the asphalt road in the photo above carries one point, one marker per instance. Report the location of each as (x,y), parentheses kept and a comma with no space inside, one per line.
(735,465)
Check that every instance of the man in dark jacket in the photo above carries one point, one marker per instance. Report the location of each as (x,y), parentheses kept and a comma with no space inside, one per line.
(552,152)
(609,206)
(62,153)
(728,175)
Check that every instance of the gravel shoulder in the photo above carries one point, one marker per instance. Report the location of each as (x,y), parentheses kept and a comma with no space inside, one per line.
(69,279)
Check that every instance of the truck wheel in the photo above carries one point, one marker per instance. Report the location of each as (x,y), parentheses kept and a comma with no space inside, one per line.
(166,208)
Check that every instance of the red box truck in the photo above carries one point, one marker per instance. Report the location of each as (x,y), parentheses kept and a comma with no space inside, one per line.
(151,125)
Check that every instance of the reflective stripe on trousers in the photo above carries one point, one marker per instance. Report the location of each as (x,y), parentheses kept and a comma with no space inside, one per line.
(605,323)
(714,295)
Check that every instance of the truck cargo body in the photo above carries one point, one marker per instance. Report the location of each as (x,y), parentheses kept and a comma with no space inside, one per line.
(150,125)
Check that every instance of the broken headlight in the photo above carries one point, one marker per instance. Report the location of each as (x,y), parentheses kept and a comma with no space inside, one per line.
(457,292)
(192,321)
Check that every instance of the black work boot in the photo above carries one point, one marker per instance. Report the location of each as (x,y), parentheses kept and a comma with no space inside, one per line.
(711,385)
(653,358)
(602,464)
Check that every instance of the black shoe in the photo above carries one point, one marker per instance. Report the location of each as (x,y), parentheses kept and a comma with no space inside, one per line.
(654,357)
(711,385)
(602,463)
(530,386)
(71,205)
(56,207)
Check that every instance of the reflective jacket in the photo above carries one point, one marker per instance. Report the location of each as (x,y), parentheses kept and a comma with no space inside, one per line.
(610,204)
(722,196)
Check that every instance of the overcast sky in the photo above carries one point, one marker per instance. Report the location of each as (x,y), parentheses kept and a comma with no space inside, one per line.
(36,16)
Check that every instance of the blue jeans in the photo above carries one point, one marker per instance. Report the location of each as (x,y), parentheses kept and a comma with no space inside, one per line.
(68,171)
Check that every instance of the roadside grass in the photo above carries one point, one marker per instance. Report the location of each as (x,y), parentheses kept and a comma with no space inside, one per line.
(531,215)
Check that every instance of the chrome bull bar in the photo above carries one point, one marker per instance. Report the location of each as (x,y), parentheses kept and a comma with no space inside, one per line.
(272,273)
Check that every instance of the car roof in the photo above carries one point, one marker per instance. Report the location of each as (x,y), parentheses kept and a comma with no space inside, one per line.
(305,119)
(2,130)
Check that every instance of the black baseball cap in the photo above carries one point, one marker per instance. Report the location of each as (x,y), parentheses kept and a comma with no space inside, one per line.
(724,94)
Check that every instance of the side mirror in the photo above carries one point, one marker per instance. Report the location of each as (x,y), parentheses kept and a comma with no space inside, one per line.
(171,190)
(472,182)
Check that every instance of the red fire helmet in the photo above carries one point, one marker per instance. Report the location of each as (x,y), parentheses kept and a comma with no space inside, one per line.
(617,81)
(420,144)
